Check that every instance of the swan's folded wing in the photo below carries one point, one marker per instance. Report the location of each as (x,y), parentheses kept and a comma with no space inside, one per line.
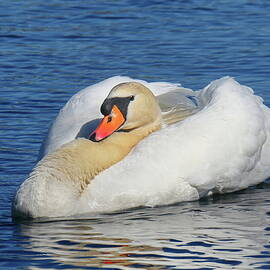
(233,138)
(177,105)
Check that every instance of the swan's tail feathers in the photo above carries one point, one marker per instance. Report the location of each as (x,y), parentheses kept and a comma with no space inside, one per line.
(177,105)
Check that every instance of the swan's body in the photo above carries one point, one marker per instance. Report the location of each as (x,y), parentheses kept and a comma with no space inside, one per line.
(222,147)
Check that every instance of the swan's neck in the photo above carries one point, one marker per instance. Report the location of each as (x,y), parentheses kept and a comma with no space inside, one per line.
(79,161)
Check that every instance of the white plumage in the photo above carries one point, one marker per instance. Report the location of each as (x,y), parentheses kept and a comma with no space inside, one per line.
(223,147)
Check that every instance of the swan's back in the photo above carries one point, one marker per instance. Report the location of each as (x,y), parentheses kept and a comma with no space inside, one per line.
(234,132)
(224,147)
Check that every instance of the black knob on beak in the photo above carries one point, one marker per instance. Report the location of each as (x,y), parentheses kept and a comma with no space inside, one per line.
(106,107)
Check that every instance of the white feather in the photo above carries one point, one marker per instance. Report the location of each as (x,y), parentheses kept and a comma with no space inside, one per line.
(223,147)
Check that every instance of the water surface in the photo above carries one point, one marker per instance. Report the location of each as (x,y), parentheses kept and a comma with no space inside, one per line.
(50,50)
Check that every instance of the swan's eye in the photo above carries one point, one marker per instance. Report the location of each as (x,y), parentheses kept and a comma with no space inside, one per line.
(131,98)
(109,119)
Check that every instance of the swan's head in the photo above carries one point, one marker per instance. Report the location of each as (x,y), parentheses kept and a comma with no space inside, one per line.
(128,106)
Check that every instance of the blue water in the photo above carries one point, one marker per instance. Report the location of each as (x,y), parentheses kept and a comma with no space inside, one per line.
(51,49)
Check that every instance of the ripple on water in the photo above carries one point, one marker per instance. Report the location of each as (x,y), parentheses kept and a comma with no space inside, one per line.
(50,50)
(184,236)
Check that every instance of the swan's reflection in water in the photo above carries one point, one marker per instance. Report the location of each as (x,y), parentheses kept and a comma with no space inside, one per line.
(229,233)
(78,243)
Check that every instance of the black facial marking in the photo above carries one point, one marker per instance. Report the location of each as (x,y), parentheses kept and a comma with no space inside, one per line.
(93,137)
(106,107)
(121,102)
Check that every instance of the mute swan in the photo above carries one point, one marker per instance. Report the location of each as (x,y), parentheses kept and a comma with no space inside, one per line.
(222,145)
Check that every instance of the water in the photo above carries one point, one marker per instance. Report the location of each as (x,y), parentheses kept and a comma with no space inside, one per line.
(50,50)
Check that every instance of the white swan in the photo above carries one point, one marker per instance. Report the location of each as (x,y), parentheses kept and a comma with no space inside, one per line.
(222,145)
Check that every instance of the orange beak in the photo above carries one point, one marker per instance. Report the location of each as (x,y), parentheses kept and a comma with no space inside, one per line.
(109,124)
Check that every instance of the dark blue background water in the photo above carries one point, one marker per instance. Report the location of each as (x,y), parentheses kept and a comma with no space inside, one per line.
(51,49)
